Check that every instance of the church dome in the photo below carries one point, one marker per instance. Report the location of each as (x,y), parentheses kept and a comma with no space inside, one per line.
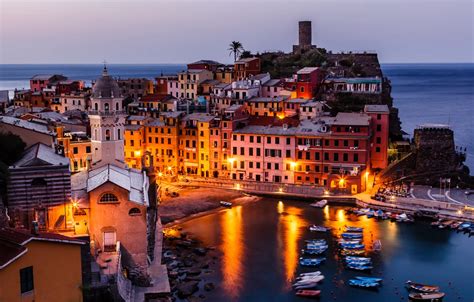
(105,86)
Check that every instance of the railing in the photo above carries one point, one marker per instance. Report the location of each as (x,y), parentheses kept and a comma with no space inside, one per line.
(259,187)
(124,285)
(107,113)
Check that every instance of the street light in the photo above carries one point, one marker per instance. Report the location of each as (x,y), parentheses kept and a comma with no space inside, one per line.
(293,165)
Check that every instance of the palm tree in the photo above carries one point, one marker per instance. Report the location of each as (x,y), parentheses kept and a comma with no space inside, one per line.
(235,48)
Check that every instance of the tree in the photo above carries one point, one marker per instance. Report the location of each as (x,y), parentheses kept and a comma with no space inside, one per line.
(12,148)
(245,54)
(236,48)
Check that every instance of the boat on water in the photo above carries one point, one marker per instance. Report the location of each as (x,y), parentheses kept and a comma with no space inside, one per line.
(318,251)
(315,273)
(308,282)
(318,228)
(422,287)
(379,214)
(308,293)
(340,241)
(353,229)
(356,258)
(372,279)
(363,283)
(464,226)
(316,241)
(359,267)
(352,246)
(346,252)
(358,262)
(352,235)
(316,245)
(311,261)
(226,204)
(427,296)
(319,204)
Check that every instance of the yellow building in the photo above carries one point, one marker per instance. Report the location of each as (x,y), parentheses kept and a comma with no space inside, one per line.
(134,139)
(225,74)
(77,147)
(189,82)
(39,267)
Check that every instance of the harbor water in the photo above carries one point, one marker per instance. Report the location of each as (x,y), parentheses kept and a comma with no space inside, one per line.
(260,244)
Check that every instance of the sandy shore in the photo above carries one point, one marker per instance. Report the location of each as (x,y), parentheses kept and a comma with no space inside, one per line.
(194,200)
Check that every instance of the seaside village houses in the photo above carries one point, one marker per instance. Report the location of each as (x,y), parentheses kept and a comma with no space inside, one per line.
(92,160)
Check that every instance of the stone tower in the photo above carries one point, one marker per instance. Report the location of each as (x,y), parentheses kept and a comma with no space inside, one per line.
(107,122)
(304,37)
(304,34)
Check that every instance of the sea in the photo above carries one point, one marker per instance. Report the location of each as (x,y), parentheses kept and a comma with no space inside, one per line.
(260,243)
(424,93)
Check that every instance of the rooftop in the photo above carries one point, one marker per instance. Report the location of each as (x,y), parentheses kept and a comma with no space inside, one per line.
(246,60)
(307,70)
(200,117)
(351,119)
(40,154)
(40,128)
(267,99)
(376,108)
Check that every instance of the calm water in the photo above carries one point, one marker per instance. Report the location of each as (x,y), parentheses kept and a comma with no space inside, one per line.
(260,244)
(424,93)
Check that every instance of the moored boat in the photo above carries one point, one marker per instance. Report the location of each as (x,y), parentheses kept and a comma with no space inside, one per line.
(422,287)
(314,251)
(308,293)
(318,228)
(352,235)
(427,296)
(319,204)
(353,229)
(311,261)
(359,267)
(226,204)
(352,252)
(372,279)
(363,283)
(352,246)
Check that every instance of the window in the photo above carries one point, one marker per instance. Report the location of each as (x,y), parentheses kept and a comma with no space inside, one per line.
(336,157)
(356,158)
(134,212)
(107,134)
(277,140)
(106,106)
(26,279)
(88,149)
(378,140)
(302,88)
(259,139)
(379,127)
(108,197)
(346,143)
(288,141)
(269,140)
(75,150)
(119,134)
(377,149)
(379,116)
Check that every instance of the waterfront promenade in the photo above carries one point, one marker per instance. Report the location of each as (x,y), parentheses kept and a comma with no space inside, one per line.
(445,209)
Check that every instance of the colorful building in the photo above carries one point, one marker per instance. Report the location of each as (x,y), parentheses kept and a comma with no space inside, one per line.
(39,267)
(245,68)
(308,80)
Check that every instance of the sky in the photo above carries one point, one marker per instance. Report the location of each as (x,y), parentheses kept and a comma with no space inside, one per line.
(181,31)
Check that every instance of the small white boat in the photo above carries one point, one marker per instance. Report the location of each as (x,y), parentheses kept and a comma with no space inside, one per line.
(226,204)
(318,228)
(319,204)
(315,273)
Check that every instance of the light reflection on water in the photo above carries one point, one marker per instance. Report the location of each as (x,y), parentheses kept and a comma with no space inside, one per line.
(289,229)
(232,248)
(261,243)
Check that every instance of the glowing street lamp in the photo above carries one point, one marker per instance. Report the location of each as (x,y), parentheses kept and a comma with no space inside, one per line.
(293,165)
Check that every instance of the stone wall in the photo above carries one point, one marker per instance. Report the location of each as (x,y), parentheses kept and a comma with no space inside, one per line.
(435,149)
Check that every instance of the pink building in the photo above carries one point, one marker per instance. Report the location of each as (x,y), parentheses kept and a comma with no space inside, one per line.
(379,115)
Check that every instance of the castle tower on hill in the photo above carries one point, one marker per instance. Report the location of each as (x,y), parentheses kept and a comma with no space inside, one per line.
(304,37)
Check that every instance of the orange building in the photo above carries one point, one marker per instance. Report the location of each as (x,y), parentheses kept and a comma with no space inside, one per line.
(245,68)
(39,267)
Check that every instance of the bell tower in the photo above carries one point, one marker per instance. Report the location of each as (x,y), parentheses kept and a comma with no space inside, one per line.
(107,122)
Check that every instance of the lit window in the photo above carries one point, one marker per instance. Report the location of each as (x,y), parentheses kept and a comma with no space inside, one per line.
(134,212)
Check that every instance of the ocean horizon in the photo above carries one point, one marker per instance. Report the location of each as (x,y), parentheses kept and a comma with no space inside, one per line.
(423,92)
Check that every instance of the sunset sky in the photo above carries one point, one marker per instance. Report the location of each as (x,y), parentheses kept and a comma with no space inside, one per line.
(87,31)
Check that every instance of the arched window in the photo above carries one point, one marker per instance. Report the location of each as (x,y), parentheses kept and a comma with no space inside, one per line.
(38,182)
(117,106)
(118,134)
(107,134)
(108,197)
(106,106)
(134,212)
(96,136)
(96,106)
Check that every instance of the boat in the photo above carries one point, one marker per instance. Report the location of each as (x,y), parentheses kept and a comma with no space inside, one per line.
(402,217)
(359,267)
(314,251)
(378,214)
(226,204)
(352,252)
(372,279)
(422,287)
(353,229)
(319,204)
(353,258)
(315,273)
(427,296)
(340,241)
(377,246)
(351,235)
(311,261)
(309,279)
(308,293)
(445,224)
(312,246)
(455,225)
(464,226)
(317,228)
(358,262)
(370,214)
(363,283)
(316,241)
(306,286)
(352,246)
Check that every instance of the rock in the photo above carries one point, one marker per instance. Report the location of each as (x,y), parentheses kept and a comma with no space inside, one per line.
(205,266)
(209,286)
(187,289)
(188,262)
(194,272)
(200,251)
